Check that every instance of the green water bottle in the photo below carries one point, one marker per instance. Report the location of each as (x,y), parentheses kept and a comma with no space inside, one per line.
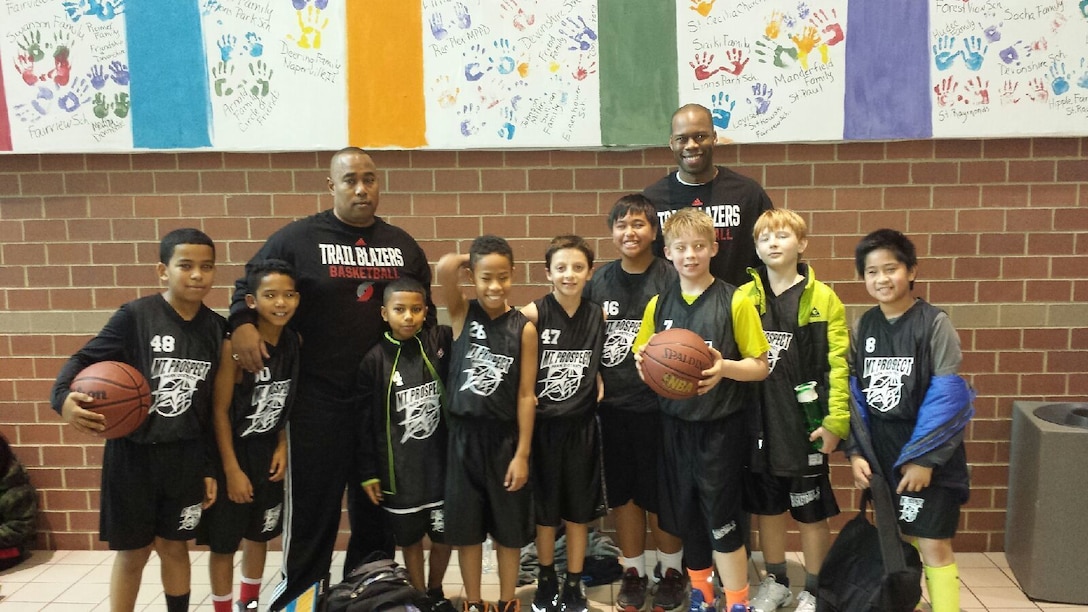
(810,404)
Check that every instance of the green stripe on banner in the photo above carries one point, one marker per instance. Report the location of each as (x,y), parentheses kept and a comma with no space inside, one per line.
(638,71)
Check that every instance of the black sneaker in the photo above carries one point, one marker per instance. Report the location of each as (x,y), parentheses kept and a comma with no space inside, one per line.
(474,606)
(573,599)
(670,595)
(632,595)
(437,602)
(547,594)
(243,606)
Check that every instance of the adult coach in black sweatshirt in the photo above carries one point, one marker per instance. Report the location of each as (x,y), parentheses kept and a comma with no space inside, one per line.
(344,257)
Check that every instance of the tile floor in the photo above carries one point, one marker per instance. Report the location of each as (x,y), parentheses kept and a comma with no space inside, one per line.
(78,581)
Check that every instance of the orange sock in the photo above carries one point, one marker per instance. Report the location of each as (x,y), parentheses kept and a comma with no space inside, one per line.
(736,597)
(700,579)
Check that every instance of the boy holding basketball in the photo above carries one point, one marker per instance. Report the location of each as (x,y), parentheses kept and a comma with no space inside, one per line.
(402,399)
(805,323)
(915,406)
(157,480)
(704,444)
(628,413)
(249,415)
(566,454)
(493,404)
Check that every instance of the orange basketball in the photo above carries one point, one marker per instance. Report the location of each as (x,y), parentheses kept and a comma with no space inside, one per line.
(120,392)
(673,363)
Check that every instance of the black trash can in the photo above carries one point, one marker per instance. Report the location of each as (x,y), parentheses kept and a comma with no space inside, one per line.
(1046,527)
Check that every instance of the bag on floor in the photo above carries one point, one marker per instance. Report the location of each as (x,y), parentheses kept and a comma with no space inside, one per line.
(378,584)
(855,577)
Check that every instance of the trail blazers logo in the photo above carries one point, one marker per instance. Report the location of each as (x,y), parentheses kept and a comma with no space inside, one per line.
(268,403)
(177,381)
(780,343)
(487,370)
(885,376)
(565,370)
(619,336)
(421,407)
(363,263)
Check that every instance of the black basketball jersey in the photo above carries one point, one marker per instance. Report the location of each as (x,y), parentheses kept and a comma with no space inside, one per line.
(623,297)
(402,396)
(570,351)
(178,358)
(711,317)
(262,402)
(485,369)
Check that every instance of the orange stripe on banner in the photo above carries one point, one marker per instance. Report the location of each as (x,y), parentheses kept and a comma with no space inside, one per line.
(385,74)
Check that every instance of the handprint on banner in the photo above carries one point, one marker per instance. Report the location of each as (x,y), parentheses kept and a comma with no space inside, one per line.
(438,26)
(992,33)
(520,19)
(221,74)
(77,95)
(104,10)
(979,89)
(1059,76)
(469,125)
(226,44)
(1057,22)
(119,72)
(36,108)
(24,65)
(774,25)
(1082,81)
(253,45)
(735,61)
(583,72)
(473,70)
(262,74)
(62,68)
(721,110)
(946,92)
(98,77)
(507,129)
(506,63)
(761,98)
(447,92)
(703,7)
(803,11)
(701,66)
(806,41)
(943,56)
(1008,92)
(31,45)
(1037,91)
(311,24)
(781,56)
(101,107)
(582,35)
(488,99)
(1014,53)
(120,104)
(829,26)
(974,52)
(464,20)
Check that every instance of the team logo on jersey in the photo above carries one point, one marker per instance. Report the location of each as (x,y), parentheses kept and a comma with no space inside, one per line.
(190,518)
(422,409)
(487,370)
(799,500)
(438,520)
(619,336)
(272,518)
(177,380)
(268,402)
(724,530)
(565,370)
(780,343)
(885,376)
(909,507)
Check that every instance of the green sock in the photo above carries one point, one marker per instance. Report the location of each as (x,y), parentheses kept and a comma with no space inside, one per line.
(944,587)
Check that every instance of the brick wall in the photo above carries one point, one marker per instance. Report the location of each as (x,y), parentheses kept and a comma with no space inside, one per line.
(1001,227)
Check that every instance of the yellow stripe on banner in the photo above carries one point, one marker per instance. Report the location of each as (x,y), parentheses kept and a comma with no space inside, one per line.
(385,74)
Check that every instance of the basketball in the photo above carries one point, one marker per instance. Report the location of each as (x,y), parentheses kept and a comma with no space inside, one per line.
(120,392)
(673,363)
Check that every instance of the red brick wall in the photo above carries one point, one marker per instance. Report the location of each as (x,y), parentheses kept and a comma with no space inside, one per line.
(1001,227)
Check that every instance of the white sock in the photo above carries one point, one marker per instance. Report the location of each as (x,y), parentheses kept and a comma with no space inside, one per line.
(670,561)
(639,563)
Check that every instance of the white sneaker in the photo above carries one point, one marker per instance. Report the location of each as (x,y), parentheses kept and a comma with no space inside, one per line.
(806,602)
(770,596)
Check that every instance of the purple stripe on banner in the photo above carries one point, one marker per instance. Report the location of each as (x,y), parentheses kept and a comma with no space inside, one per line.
(887,70)
(169,80)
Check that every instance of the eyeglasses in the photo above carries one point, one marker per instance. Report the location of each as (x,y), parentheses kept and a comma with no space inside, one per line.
(700,138)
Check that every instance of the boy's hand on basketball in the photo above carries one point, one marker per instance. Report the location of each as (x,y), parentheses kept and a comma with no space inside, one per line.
(374,492)
(862,472)
(239,489)
(249,351)
(84,421)
(830,440)
(714,374)
(211,492)
(517,474)
(915,478)
(278,470)
(638,361)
